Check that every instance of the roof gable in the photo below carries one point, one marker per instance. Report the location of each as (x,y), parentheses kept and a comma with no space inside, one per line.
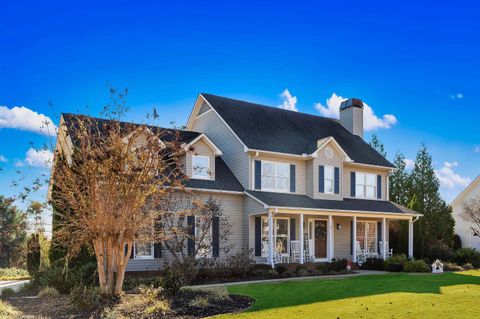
(273,129)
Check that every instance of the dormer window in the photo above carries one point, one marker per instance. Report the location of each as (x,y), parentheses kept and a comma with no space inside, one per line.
(329,180)
(201,167)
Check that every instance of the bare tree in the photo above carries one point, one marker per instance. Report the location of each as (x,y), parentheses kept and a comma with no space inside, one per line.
(471,214)
(108,183)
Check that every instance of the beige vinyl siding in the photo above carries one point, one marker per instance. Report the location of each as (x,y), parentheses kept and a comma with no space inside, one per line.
(309,178)
(232,205)
(233,152)
(251,207)
(348,168)
(200,148)
(335,161)
(462,227)
(342,237)
(300,171)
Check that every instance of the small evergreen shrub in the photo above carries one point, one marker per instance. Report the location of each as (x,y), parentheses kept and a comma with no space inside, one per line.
(440,251)
(457,242)
(416,266)
(172,280)
(85,298)
(281,269)
(33,254)
(132,283)
(338,265)
(200,302)
(468,266)
(395,263)
(467,255)
(7,292)
(373,264)
(48,293)
(160,307)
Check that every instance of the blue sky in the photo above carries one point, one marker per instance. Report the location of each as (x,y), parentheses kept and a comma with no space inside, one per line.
(417,61)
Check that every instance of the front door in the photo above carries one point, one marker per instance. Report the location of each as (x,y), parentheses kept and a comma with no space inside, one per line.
(318,236)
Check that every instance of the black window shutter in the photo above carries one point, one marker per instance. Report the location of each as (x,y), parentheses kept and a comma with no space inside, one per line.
(292,229)
(292,178)
(379,186)
(379,234)
(352,241)
(157,250)
(258,236)
(352,184)
(191,240)
(215,237)
(321,179)
(258,174)
(337,180)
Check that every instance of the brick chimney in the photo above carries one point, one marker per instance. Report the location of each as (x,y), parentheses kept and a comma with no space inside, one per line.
(351,116)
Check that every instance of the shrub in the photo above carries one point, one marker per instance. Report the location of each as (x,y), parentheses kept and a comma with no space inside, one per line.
(112,313)
(240,264)
(13,274)
(440,251)
(200,302)
(219,293)
(467,255)
(338,264)
(416,266)
(457,242)
(394,267)
(395,263)
(132,283)
(281,269)
(173,280)
(7,311)
(373,264)
(448,266)
(302,272)
(65,280)
(468,266)
(161,307)
(48,293)
(85,298)
(7,292)
(33,254)
(264,273)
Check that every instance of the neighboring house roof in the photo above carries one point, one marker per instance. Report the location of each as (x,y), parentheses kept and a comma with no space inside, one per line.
(347,204)
(224,179)
(466,190)
(273,129)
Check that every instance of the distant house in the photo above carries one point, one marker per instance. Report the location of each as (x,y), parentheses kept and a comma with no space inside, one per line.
(296,187)
(462,228)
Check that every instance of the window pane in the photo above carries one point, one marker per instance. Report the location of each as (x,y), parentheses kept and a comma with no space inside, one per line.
(267,169)
(328,186)
(143,250)
(370,191)
(371,180)
(200,166)
(282,227)
(359,191)
(329,172)
(268,182)
(283,170)
(360,178)
(282,184)
(281,245)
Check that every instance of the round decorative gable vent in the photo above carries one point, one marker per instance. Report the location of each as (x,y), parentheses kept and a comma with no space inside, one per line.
(329,152)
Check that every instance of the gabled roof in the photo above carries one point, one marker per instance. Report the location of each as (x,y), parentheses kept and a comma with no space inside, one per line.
(475,182)
(224,179)
(347,204)
(273,129)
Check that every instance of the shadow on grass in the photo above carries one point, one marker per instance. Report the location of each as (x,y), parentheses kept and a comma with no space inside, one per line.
(295,293)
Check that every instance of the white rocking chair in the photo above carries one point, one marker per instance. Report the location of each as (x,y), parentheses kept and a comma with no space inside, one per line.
(294,250)
(388,251)
(361,257)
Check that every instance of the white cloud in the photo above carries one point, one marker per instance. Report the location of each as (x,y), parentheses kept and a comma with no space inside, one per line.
(3,159)
(456,96)
(449,179)
(409,163)
(371,122)
(19,164)
(477,149)
(22,118)
(289,101)
(39,158)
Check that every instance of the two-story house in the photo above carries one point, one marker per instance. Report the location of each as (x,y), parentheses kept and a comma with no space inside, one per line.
(309,185)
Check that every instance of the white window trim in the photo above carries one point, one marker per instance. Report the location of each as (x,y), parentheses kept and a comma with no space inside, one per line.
(274,189)
(208,177)
(152,253)
(264,219)
(210,252)
(325,179)
(365,237)
(364,186)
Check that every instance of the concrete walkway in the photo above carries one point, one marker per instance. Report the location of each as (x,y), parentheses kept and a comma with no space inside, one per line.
(13,284)
(357,273)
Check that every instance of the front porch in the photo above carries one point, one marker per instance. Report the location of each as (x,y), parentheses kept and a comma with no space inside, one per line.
(315,236)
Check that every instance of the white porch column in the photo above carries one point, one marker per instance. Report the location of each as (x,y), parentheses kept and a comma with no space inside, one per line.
(354,240)
(410,238)
(270,239)
(330,252)
(384,237)
(301,239)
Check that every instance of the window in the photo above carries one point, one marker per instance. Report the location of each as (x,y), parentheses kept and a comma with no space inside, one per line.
(275,176)
(365,185)
(280,235)
(143,251)
(367,235)
(329,180)
(201,166)
(203,227)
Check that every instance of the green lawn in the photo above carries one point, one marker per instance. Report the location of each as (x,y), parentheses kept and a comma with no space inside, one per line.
(449,295)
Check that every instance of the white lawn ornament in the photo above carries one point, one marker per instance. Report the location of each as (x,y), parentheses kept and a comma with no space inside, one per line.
(437,266)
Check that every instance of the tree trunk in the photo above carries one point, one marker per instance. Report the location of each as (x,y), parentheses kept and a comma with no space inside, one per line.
(99,254)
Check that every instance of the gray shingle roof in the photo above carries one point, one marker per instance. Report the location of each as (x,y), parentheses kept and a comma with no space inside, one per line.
(273,129)
(347,204)
(224,179)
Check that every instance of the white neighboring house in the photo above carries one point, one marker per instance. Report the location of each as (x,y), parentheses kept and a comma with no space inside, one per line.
(463,228)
